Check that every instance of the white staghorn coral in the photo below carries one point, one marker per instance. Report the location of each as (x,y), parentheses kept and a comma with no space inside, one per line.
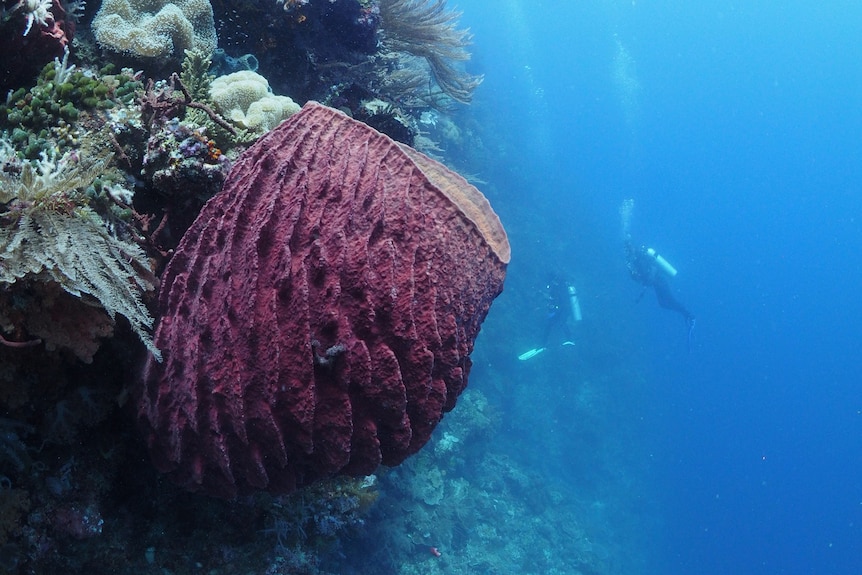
(62,69)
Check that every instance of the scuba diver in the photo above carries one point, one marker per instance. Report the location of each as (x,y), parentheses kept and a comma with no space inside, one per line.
(563,305)
(649,268)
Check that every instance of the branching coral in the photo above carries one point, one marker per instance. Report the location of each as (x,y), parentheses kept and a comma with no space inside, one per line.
(195,74)
(425,28)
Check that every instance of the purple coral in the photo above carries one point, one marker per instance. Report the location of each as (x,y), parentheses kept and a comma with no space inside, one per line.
(181,161)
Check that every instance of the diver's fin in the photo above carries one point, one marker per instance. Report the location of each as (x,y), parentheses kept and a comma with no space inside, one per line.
(531,354)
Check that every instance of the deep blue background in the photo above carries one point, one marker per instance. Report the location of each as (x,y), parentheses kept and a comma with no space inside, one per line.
(737,128)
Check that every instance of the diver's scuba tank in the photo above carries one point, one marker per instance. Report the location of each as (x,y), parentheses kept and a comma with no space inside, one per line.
(662,263)
(573,300)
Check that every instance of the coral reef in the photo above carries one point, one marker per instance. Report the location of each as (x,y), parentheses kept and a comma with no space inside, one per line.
(426,29)
(116,163)
(408,54)
(486,515)
(155,32)
(44,226)
(245,98)
(195,75)
(184,165)
(304,49)
(35,31)
(314,517)
(428,482)
(48,116)
(131,161)
(61,321)
(386,119)
(318,316)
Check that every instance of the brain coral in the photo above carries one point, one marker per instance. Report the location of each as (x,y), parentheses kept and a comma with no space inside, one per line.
(155,29)
(246,99)
(318,317)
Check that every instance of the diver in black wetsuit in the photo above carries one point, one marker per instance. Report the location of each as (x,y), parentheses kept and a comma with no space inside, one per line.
(650,269)
(563,306)
(559,310)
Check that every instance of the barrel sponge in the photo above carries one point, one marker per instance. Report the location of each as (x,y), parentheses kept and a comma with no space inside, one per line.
(155,29)
(246,99)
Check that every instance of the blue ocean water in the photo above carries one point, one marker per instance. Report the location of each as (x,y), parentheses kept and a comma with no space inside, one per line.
(735,127)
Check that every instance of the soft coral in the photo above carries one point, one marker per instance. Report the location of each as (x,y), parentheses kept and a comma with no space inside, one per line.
(35,11)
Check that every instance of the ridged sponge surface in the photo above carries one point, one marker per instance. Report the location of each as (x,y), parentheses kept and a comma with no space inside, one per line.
(318,317)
